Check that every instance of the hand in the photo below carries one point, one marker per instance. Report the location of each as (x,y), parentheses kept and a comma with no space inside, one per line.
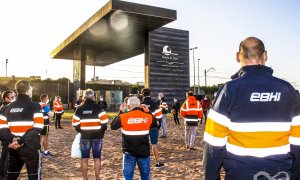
(14,145)
(144,108)
(123,107)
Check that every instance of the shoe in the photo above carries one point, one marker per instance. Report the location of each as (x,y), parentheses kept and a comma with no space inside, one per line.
(159,165)
(193,149)
(187,147)
(47,154)
(60,127)
(162,136)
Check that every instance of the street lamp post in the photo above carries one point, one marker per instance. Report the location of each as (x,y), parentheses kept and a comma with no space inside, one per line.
(6,62)
(194,68)
(199,90)
(205,72)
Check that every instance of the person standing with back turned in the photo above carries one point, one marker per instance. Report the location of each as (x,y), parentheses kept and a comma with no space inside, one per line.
(135,126)
(21,125)
(7,97)
(91,121)
(192,113)
(58,110)
(153,133)
(253,127)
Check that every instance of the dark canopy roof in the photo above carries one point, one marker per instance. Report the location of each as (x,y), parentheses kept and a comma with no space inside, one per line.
(114,33)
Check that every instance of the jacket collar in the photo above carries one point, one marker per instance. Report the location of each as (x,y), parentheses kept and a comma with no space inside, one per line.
(253,70)
(89,101)
(191,98)
(146,97)
(23,96)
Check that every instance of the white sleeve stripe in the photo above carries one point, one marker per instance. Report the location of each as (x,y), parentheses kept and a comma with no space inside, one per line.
(218,118)
(104,121)
(3,126)
(101,114)
(3,118)
(296,121)
(75,123)
(36,115)
(214,141)
(294,140)
(76,117)
(38,126)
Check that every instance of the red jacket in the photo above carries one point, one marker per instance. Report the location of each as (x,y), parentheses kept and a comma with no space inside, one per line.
(57,105)
(191,111)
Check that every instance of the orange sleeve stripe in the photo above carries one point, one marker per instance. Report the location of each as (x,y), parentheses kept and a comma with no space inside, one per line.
(295,131)
(19,129)
(215,129)
(158,113)
(2,122)
(39,120)
(75,120)
(88,124)
(258,139)
(103,117)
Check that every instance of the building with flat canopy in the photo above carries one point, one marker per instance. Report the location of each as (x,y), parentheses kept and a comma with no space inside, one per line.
(121,30)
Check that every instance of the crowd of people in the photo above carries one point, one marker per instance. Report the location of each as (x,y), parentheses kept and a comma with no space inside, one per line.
(251,129)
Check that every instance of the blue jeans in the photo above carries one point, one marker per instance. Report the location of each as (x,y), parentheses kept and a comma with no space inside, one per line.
(87,144)
(129,163)
(164,124)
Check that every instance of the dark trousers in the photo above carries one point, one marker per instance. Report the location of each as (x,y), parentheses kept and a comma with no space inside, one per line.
(175,115)
(57,119)
(204,116)
(3,160)
(27,155)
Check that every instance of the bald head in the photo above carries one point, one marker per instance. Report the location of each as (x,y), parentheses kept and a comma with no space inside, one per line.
(252,52)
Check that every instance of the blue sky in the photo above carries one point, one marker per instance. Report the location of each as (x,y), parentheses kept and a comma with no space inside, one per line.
(31,29)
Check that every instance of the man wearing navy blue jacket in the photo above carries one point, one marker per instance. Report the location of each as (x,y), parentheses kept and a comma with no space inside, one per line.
(253,127)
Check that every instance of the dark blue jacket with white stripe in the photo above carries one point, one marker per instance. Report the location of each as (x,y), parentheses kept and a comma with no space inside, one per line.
(253,129)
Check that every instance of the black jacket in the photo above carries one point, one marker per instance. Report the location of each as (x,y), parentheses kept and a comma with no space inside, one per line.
(24,119)
(90,120)
(135,131)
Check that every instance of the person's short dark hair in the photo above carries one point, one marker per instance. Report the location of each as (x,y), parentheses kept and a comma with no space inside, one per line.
(6,93)
(43,96)
(190,93)
(252,48)
(89,94)
(22,86)
(146,92)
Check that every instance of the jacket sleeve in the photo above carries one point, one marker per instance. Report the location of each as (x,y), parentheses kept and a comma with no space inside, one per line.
(5,133)
(116,123)
(104,120)
(200,113)
(183,110)
(215,136)
(295,142)
(154,122)
(38,125)
(76,120)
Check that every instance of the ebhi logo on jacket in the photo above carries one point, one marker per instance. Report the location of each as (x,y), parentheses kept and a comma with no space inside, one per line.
(14,110)
(265,96)
(87,112)
(137,120)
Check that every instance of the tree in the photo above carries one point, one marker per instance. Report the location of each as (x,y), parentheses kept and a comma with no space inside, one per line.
(135,89)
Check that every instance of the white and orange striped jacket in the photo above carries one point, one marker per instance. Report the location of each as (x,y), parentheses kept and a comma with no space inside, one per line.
(23,119)
(90,120)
